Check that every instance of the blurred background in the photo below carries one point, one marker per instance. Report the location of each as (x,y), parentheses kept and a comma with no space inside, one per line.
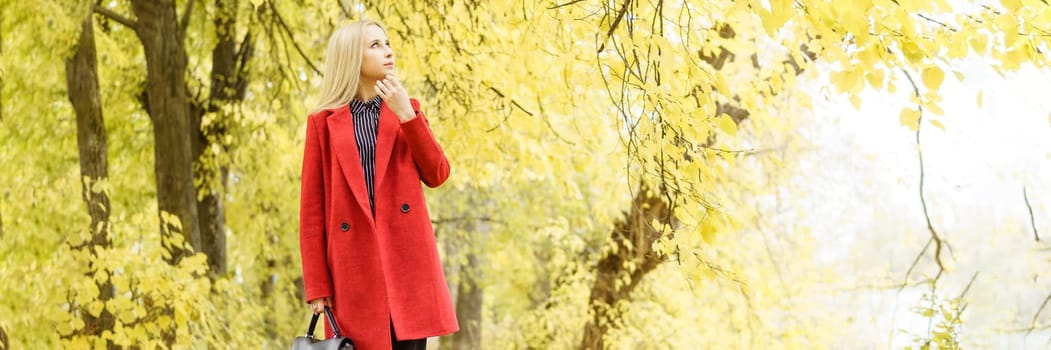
(638,174)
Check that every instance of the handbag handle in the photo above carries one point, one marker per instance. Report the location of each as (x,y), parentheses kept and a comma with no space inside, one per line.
(331,321)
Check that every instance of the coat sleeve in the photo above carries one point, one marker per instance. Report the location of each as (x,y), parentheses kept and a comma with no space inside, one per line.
(426,153)
(317,280)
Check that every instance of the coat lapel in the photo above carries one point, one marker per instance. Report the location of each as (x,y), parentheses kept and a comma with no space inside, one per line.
(346,149)
(388,131)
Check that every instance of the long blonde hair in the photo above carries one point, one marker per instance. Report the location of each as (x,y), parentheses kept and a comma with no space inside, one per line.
(343,65)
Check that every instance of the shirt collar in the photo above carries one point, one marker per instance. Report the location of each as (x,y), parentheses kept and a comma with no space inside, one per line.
(373,104)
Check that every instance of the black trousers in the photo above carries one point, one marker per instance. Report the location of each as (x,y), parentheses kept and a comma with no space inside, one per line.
(411,344)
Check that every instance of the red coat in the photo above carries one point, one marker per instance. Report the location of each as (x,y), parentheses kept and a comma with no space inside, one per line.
(374,267)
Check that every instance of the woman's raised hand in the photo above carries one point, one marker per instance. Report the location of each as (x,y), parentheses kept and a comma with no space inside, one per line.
(397,99)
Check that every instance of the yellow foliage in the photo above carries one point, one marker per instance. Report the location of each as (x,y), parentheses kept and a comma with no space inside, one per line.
(933,77)
(548,136)
(910,118)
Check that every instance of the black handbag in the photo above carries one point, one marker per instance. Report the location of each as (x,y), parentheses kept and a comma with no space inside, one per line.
(337,342)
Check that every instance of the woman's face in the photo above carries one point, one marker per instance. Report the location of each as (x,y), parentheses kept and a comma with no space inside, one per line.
(377,59)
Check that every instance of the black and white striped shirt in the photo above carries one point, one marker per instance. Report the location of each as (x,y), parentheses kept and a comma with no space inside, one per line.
(366,124)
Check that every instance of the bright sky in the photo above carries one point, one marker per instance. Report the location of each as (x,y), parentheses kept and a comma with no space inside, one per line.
(861,197)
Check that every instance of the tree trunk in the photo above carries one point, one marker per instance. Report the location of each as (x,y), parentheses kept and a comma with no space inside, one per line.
(468,308)
(167,103)
(228,86)
(630,261)
(468,293)
(83,90)
(1,121)
(210,206)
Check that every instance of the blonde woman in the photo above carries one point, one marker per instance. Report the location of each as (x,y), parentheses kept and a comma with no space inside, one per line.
(366,239)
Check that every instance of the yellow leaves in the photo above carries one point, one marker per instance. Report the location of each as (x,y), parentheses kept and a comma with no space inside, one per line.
(95,308)
(101,276)
(910,118)
(958,46)
(933,77)
(912,51)
(1011,5)
(978,99)
(849,80)
(875,78)
(979,43)
(78,343)
(934,108)
(715,222)
(725,123)
(915,6)
(852,15)
(855,101)
(773,19)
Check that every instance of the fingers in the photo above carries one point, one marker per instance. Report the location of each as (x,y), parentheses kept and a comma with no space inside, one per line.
(388,87)
(318,305)
(392,80)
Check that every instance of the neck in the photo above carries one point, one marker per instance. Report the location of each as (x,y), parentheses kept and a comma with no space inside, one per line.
(366,89)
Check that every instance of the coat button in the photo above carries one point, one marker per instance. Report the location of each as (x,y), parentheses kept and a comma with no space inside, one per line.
(405,208)
(344,227)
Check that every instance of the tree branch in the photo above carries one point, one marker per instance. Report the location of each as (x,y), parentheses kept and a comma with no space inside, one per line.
(1032,324)
(938,242)
(346,12)
(115,16)
(501,94)
(281,22)
(936,21)
(1032,219)
(185,21)
(915,262)
(565,4)
(616,22)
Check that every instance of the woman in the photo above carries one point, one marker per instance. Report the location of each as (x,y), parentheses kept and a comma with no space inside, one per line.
(366,239)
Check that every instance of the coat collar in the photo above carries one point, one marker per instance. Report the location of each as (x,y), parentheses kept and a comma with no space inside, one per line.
(388,131)
(346,148)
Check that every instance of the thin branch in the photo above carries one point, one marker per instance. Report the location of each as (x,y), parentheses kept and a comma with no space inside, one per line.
(916,262)
(968,287)
(1032,324)
(346,12)
(936,21)
(565,4)
(1032,219)
(185,21)
(115,16)
(723,150)
(938,243)
(501,94)
(281,22)
(616,22)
